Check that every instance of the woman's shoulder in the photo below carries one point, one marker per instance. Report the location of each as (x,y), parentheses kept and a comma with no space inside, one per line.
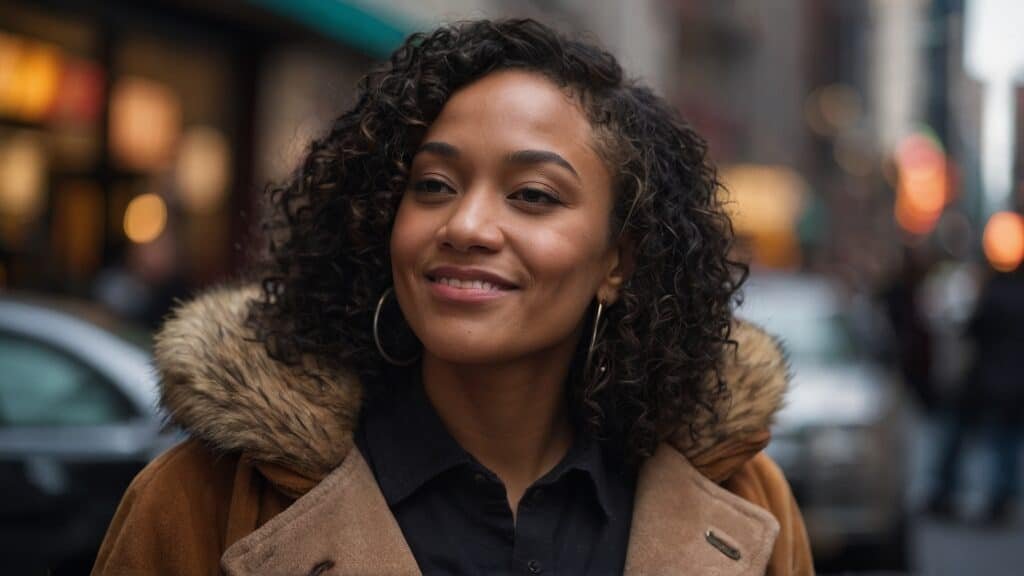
(173,516)
(188,465)
(760,481)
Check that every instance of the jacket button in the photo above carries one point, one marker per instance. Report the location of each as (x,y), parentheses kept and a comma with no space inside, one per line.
(721,545)
(534,567)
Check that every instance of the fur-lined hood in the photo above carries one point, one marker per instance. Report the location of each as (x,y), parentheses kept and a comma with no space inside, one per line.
(219,384)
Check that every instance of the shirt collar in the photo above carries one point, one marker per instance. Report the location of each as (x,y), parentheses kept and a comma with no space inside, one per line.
(408,442)
(587,457)
(410,446)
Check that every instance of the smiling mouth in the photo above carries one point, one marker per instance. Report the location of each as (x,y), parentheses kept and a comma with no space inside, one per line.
(469,285)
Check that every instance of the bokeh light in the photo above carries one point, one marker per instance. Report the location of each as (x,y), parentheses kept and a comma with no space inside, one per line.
(30,73)
(765,201)
(22,175)
(145,218)
(145,120)
(921,192)
(1003,241)
(203,169)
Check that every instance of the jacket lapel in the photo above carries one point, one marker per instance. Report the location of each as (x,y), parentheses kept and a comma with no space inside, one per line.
(684,523)
(342,526)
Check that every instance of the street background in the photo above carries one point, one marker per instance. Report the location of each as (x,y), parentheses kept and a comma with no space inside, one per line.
(871,152)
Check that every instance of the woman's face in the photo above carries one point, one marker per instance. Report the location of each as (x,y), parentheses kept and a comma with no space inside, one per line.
(501,240)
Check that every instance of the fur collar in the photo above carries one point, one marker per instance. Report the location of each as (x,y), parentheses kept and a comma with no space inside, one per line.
(222,388)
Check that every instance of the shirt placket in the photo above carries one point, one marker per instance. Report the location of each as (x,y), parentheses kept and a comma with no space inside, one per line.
(537,519)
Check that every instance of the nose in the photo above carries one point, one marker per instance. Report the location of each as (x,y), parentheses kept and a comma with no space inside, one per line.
(473,223)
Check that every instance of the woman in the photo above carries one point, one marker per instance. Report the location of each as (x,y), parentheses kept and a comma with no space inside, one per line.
(495,336)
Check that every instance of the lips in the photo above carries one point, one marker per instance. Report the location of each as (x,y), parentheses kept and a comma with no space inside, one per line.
(462,278)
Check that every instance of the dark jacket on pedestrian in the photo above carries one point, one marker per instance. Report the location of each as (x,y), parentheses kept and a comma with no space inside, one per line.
(997,330)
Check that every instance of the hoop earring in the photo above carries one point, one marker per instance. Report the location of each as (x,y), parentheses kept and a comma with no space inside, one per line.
(376,333)
(593,338)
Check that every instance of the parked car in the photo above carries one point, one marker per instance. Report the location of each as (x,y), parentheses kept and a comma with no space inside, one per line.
(841,437)
(78,420)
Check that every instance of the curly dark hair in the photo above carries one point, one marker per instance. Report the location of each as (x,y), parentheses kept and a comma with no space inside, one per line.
(662,345)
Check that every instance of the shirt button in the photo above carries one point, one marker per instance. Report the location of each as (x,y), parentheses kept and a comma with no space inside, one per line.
(478,478)
(534,567)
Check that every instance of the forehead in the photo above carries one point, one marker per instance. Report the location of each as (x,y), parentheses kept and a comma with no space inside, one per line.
(516,107)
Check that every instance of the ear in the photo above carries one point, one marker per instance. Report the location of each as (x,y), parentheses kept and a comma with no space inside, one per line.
(619,263)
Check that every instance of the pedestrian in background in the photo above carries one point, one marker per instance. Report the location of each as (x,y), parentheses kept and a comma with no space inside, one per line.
(495,335)
(912,343)
(992,398)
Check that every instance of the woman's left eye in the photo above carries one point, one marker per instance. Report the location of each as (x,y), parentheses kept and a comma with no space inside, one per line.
(432,186)
(534,196)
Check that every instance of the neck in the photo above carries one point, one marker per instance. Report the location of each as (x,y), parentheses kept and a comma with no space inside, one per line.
(513,417)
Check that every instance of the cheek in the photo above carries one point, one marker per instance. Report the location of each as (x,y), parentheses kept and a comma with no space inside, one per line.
(408,232)
(566,271)
(565,264)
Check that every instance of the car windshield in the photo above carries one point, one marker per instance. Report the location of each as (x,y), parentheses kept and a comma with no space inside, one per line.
(805,316)
(822,339)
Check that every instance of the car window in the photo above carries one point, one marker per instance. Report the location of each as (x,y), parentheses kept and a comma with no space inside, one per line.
(814,338)
(806,319)
(42,386)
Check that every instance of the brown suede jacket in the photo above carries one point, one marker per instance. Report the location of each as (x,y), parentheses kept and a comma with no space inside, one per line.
(270,482)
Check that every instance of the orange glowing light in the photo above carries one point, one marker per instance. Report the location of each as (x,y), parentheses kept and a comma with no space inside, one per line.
(145,121)
(763,198)
(912,219)
(1003,241)
(30,73)
(923,188)
(39,81)
(203,170)
(29,77)
(145,218)
(23,169)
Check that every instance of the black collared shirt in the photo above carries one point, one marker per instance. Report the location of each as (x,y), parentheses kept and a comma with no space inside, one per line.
(454,513)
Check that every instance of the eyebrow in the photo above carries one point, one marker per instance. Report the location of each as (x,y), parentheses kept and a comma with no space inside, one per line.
(439,148)
(541,157)
(446,150)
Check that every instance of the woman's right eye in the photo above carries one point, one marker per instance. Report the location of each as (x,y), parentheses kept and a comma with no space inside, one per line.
(432,186)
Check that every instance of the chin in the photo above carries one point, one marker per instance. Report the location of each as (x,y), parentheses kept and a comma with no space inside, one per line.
(466,349)
(466,354)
